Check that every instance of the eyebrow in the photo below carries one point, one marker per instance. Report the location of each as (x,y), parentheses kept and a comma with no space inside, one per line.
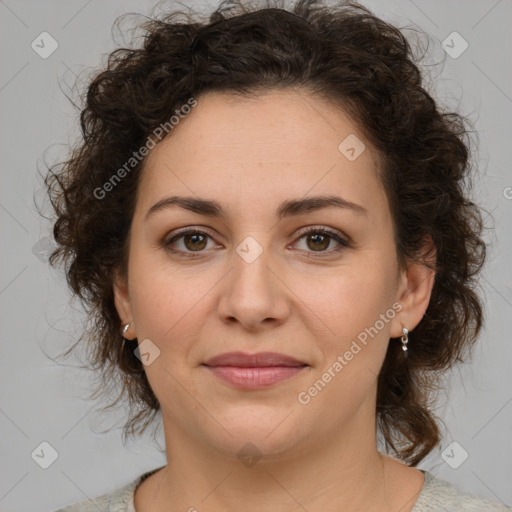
(287,208)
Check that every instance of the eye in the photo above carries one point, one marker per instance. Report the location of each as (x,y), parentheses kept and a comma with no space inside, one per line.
(190,240)
(320,239)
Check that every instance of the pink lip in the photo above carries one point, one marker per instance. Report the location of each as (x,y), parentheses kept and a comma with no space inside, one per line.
(254,378)
(261,359)
(254,371)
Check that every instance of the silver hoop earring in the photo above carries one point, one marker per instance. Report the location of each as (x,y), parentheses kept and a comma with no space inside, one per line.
(404,339)
(125,328)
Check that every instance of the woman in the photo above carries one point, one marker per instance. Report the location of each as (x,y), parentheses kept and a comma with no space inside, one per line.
(268,222)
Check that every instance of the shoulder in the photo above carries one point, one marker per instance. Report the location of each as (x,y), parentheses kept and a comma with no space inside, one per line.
(438,495)
(119,500)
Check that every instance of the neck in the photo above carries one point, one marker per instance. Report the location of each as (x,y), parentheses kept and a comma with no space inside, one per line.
(347,473)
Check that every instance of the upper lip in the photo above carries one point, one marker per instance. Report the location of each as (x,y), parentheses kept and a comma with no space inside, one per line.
(260,359)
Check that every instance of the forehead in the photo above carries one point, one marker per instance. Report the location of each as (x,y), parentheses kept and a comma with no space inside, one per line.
(260,150)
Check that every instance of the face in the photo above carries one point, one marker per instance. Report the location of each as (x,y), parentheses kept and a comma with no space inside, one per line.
(265,268)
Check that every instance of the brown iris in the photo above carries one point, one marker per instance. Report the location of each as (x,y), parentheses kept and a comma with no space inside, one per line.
(195,241)
(320,241)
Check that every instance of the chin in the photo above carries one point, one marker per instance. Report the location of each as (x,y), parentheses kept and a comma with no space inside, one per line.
(259,432)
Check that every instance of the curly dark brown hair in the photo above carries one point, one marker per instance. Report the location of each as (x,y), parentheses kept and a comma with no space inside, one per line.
(344,54)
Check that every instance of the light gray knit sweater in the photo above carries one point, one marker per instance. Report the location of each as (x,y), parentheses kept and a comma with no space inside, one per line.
(436,496)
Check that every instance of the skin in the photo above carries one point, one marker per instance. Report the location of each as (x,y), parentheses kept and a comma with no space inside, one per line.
(250,155)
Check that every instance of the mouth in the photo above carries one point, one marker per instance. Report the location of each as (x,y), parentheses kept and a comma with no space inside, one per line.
(254,371)
(260,359)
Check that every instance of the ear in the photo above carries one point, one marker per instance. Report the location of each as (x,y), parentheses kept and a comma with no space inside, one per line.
(415,289)
(122,303)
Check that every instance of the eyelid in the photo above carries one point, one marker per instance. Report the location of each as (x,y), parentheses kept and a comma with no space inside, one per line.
(186,230)
(323,229)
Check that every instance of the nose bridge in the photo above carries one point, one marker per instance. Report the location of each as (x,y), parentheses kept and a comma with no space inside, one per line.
(250,280)
(252,293)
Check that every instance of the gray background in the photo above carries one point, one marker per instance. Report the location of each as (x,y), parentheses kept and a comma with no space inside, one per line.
(42,401)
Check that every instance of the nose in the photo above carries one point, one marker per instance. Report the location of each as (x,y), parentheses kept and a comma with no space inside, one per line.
(254,295)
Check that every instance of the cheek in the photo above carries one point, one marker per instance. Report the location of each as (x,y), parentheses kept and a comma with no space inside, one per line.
(167,305)
(350,299)
(346,322)
(163,310)
(351,335)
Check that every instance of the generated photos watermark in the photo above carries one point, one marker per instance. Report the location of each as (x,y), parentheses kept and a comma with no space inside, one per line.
(137,156)
(304,397)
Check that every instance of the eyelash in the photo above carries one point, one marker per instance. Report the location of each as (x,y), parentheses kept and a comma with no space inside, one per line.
(343,243)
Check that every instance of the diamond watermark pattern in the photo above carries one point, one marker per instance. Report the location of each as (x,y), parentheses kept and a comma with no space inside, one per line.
(147,352)
(42,249)
(249,249)
(44,45)
(249,454)
(44,455)
(455,45)
(454,455)
(351,147)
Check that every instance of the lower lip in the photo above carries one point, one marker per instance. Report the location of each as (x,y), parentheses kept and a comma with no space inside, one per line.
(254,378)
